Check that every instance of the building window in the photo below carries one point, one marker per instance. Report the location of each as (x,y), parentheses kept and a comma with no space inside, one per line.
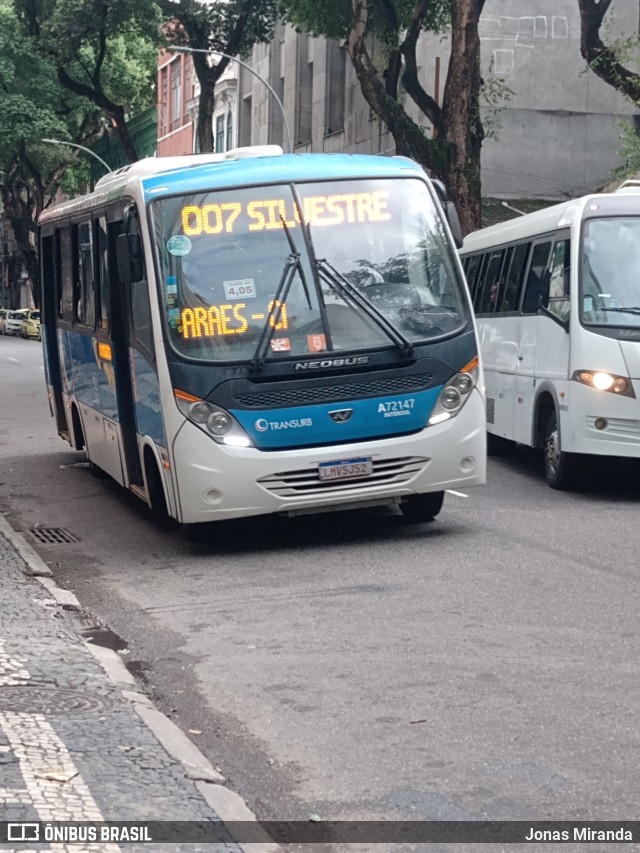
(334,95)
(188,86)
(176,94)
(219,134)
(164,100)
(304,73)
(229,131)
(245,121)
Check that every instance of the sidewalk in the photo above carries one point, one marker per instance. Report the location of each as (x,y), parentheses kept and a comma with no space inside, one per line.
(77,741)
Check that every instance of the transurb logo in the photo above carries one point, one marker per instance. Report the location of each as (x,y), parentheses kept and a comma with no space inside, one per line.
(262,424)
(341,416)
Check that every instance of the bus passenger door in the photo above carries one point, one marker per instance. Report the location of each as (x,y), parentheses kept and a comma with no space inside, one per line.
(120,313)
(531,337)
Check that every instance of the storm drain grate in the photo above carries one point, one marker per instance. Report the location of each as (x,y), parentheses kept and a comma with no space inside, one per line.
(52,535)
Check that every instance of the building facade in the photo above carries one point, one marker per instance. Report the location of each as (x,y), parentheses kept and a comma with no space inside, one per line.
(178,91)
(556,135)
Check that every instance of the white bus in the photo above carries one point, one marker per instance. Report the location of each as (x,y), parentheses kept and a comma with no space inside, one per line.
(557,301)
(237,334)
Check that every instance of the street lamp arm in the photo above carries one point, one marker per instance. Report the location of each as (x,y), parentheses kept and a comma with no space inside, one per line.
(82,148)
(178,49)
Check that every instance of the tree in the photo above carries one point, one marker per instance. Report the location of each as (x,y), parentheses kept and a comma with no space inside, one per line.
(453,151)
(607,61)
(33,105)
(615,63)
(103,50)
(231,27)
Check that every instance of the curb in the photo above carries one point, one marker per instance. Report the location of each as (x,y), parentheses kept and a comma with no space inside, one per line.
(228,805)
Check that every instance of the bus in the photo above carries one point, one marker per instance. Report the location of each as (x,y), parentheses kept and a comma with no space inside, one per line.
(557,300)
(246,333)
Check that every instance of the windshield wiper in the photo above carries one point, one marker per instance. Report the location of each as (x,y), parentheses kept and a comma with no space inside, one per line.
(291,265)
(629,309)
(352,296)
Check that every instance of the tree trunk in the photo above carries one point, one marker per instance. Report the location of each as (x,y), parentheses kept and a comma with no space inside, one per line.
(602,59)
(461,124)
(453,155)
(206,105)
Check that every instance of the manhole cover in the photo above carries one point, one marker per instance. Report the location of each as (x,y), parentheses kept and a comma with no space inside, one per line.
(52,535)
(50,700)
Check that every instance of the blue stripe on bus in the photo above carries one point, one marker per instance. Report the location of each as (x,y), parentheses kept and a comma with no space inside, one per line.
(301,426)
(273,170)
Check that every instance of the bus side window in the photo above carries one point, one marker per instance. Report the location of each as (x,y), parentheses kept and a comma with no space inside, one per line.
(555,297)
(471,272)
(66,275)
(104,284)
(85,307)
(489,285)
(140,315)
(513,279)
(539,265)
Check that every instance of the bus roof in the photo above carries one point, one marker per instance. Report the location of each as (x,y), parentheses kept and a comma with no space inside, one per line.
(166,176)
(542,221)
(287,167)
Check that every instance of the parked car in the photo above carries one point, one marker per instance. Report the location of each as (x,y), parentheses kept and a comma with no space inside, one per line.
(13,323)
(3,320)
(31,325)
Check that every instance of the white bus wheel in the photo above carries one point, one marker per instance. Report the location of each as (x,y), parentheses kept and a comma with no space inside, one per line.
(560,468)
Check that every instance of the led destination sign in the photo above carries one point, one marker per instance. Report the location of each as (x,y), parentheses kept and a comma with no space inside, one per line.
(269,214)
(221,320)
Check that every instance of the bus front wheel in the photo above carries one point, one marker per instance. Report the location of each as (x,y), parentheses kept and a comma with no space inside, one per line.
(420,508)
(155,491)
(560,468)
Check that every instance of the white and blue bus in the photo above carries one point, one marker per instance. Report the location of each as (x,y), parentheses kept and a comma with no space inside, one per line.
(247,333)
(557,299)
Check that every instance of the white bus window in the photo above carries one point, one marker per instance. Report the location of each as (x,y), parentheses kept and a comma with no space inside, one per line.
(555,294)
(471,272)
(513,279)
(489,284)
(539,265)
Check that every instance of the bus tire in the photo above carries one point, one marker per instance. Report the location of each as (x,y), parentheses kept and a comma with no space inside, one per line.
(498,446)
(560,468)
(95,470)
(421,508)
(155,490)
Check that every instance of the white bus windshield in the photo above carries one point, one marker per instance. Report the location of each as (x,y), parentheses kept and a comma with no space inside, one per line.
(229,267)
(610,286)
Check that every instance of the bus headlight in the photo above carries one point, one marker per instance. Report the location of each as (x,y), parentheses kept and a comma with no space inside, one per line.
(602,381)
(455,393)
(213,420)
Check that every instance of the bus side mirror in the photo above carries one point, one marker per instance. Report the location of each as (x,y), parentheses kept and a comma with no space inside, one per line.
(129,258)
(454,223)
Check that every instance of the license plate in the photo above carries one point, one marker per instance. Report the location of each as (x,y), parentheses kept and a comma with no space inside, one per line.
(342,469)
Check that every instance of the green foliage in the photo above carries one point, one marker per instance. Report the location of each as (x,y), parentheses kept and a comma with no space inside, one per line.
(629,151)
(32,104)
(332,18)
(110,46)
(494,95)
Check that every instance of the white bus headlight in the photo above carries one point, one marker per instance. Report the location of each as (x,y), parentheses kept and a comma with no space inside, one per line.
(602,381)
(455,393)
(213,420)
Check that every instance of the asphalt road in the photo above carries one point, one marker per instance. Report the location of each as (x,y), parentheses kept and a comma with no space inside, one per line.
(351,666)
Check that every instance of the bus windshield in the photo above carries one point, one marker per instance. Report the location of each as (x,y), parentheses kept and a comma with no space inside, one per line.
(235,261)
(610,285)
